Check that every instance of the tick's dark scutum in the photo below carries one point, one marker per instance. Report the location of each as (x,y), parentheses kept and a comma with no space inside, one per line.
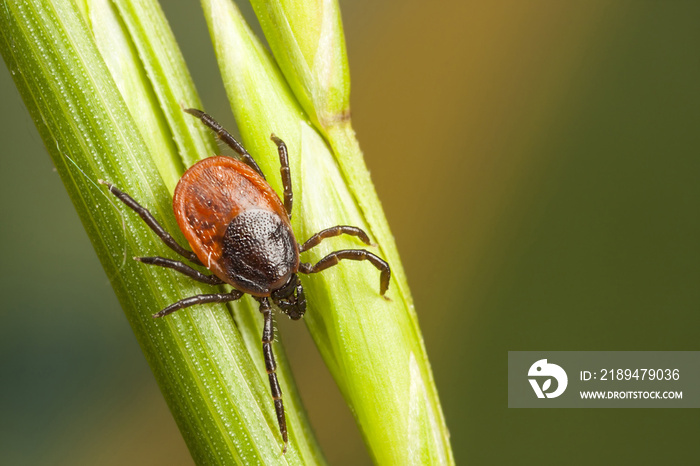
(260,252)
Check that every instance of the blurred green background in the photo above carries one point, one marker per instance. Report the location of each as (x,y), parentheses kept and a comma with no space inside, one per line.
(539,164)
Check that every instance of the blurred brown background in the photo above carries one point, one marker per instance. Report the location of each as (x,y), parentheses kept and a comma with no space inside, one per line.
(539,164)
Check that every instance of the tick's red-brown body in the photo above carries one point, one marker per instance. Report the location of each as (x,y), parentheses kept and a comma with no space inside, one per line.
(209,197)
(239,229)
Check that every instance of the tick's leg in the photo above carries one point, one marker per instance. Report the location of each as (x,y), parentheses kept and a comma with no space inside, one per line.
(226,137)
(268,337)
(200,299)
(152,223)
(356,255)
(316,239)
(286,175)
(182,268)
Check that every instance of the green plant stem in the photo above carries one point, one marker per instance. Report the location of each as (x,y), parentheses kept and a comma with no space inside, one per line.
(373,347)
(204,368)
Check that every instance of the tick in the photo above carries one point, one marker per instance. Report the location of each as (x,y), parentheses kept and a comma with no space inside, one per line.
(239,229)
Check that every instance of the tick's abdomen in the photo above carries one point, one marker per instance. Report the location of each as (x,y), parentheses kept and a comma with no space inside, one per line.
(236,225)
(259,252)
